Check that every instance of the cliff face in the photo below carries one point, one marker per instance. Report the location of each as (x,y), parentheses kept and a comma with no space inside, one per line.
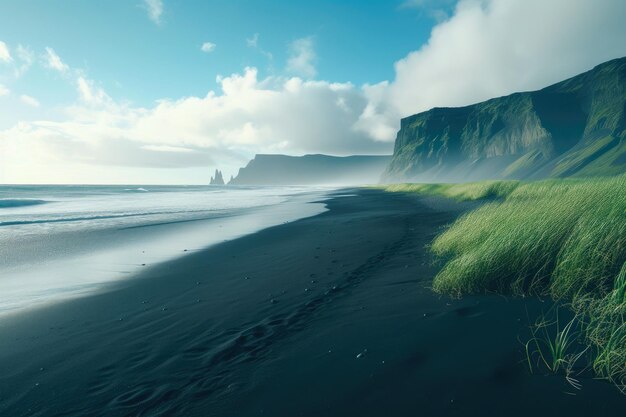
(311,169)
(575,127)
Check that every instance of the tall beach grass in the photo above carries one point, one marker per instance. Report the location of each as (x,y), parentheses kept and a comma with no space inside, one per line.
(565,238)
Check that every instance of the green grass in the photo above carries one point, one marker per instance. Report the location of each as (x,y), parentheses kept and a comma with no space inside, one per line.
(564,238)
(461,192)
(554,347)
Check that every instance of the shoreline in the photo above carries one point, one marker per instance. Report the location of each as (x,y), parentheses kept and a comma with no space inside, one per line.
(82,261)
(329,315)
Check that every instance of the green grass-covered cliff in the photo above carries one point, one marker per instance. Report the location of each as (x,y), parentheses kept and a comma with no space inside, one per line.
(574,128)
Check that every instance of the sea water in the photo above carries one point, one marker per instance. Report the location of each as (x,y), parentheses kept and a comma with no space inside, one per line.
(59,242)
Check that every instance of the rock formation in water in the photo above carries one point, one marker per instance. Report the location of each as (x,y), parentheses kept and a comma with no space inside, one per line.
(218,179)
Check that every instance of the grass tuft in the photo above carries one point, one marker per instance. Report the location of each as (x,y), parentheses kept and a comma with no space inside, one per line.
(565,238)
(554,348)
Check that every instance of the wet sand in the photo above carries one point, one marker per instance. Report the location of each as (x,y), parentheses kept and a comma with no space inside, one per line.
(326,316)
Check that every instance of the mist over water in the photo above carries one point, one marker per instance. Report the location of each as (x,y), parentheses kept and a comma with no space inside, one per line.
(64,241)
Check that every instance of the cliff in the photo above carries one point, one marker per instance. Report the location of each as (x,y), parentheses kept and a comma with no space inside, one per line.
(574,128)
(311,169)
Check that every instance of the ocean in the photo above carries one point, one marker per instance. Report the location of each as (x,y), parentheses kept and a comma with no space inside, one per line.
(59,242)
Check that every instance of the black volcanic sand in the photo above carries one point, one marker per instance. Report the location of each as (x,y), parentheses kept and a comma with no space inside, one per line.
(326,316)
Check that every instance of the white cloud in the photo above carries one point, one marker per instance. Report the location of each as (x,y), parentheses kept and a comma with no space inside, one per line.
(302,57)
(154,9)
(226,128)
(490,48)
(208,47)
(88,92)
(91,94)
(253,42)
(53,61)
(166,148)
(4,91)
(29,101)
(26,58)
(5,55)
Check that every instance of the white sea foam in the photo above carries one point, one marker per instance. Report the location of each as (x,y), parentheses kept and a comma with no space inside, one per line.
(80,238)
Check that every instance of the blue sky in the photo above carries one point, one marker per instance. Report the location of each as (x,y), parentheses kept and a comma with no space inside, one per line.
(166,91)
(138,59)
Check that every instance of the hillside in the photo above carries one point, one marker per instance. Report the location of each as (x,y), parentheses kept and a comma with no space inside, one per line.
(311,169)
(574,128)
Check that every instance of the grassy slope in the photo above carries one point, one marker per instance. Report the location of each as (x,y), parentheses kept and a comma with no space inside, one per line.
(565,238)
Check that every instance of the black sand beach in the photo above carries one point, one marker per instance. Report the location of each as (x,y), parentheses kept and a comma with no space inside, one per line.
(326,316)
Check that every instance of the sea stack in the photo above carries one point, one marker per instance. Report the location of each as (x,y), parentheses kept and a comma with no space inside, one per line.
(218,179)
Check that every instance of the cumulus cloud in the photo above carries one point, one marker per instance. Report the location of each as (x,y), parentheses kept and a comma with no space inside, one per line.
(53,61)
(5,55)
(208,47)
(247,116)
(302,58)
(29,101)
(154,9)
(490,48)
